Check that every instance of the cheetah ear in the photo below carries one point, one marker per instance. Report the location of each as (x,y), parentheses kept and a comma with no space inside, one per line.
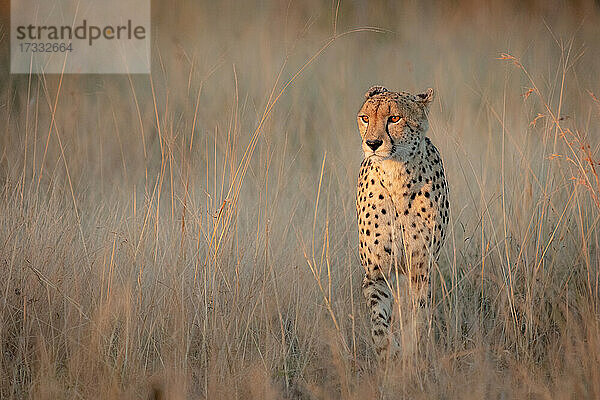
(375,90)
(425,98)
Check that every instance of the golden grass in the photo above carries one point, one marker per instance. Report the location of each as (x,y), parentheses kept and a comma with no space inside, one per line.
(192,233)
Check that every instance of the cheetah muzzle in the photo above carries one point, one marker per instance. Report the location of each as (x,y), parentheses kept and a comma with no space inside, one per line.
(402,208)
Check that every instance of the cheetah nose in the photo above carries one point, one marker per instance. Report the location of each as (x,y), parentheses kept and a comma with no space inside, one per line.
(374,144)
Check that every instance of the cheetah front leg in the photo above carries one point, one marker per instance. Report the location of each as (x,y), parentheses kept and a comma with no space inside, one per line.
(380,302)
(403,297)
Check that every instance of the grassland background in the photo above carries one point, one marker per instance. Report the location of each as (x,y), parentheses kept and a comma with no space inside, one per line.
(185,235)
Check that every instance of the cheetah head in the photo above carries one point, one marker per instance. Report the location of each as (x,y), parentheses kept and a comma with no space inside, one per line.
(393,124)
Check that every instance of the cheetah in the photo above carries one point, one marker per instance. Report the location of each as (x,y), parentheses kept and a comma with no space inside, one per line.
(402,210)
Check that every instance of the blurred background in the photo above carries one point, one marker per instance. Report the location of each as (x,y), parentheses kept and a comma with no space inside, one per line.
(191,233)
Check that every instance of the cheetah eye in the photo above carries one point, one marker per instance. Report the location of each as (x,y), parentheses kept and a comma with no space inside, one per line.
(394,119)
(365,118)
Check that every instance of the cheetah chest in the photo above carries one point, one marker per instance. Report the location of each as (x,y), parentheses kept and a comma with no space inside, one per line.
(402,215)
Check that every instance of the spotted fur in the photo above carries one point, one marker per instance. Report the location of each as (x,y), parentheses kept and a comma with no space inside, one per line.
(402,209)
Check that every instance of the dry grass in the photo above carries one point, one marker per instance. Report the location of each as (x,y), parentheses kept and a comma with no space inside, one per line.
(191,234)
